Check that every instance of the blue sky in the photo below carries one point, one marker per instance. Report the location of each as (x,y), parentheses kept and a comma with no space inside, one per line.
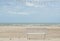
(36,11)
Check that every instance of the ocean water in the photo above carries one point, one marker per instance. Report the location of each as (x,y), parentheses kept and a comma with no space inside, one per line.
(30,24)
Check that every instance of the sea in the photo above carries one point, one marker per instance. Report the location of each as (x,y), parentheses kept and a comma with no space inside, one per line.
(30,24)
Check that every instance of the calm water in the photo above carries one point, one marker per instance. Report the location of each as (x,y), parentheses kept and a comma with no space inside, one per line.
(33,24)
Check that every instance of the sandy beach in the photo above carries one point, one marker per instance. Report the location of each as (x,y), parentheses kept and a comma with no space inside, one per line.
(29,33)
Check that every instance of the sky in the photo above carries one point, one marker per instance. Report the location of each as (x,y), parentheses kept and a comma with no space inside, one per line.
(29,11)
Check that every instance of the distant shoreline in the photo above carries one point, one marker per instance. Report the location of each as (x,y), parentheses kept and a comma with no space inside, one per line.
(33,24)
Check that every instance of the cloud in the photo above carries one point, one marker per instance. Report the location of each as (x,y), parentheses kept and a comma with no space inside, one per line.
(29,4)
(43,3)
(11,8)
(33,4)
(13,12)
(22,13)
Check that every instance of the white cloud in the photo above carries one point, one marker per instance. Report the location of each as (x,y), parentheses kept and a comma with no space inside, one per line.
(32,5)
(9,12)
(13,11)
(23,13)
(29,4)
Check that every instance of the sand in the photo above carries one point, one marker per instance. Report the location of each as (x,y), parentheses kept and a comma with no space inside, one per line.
(16,39)
(29,33)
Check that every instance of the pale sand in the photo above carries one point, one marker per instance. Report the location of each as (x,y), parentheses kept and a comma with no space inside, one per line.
(16,39)
(18,33)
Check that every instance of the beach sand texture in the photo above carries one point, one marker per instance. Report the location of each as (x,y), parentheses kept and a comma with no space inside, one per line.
(29,33)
